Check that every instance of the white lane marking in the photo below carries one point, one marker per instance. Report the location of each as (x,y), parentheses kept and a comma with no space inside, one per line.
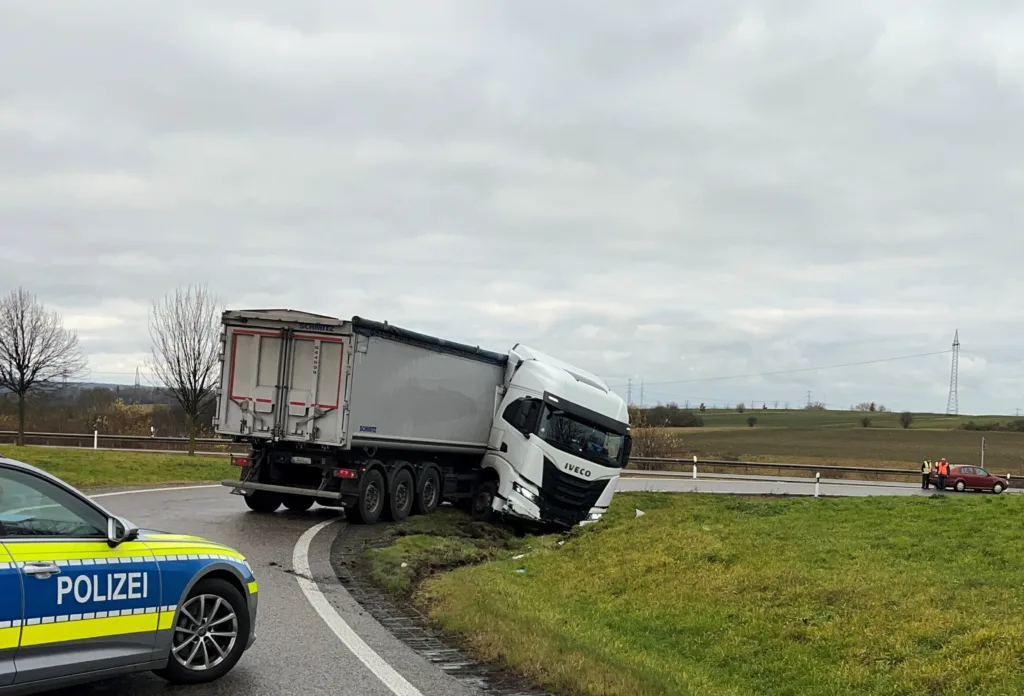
(166,489)
(374,662)
(300,563)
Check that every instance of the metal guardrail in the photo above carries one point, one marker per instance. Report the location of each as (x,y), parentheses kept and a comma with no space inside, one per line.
(108,441)
(776,465)
(665,465)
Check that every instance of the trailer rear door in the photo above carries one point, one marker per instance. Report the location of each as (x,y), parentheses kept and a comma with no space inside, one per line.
(284,384)
(316,409)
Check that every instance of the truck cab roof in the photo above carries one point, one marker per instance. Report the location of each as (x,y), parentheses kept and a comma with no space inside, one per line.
(569,383)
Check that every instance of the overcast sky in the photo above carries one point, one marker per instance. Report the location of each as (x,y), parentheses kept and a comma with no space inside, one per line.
(673,192)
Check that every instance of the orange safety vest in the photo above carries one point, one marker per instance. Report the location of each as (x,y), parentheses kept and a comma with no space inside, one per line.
(943,468)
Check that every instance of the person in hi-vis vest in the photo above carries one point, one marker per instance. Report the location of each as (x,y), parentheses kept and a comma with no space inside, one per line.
(943,470)
(926,471)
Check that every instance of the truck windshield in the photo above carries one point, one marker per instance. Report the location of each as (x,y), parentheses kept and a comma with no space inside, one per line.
(576,436)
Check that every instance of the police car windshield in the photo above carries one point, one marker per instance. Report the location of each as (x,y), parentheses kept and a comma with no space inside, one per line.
(576,436)
(31,506)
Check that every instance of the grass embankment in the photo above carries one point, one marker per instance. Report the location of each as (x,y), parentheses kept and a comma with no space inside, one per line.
(897,448)
(98,468)
(728,595)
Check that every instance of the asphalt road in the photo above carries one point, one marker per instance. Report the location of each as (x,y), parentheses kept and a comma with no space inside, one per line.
(308,623)
(296,651)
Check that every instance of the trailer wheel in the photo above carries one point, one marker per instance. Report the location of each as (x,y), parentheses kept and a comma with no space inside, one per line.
(428,493)
(401,496)
(483,500)
(263,501)
(298,503)
(371,499)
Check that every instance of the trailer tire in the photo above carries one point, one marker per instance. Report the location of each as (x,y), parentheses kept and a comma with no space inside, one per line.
(483,500)
(371,499)
(401,496)
(428,492)
(298,503)
(263,501)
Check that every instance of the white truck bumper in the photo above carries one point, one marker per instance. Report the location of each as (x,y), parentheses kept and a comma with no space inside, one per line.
(521,501)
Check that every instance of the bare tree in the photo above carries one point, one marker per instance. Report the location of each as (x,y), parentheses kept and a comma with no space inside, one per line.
(185,330)
(36,351)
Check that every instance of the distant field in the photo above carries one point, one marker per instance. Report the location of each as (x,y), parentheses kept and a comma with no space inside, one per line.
(88,468)
(1004,452)
(837,419)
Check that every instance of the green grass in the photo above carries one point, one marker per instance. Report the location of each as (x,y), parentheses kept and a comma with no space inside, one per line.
(719,595)
(1004,451)
(88,468)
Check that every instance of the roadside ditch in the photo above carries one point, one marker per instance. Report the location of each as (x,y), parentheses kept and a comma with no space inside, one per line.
(353,570)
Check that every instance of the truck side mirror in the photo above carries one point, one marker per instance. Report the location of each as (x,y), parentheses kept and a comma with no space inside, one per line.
(627,447)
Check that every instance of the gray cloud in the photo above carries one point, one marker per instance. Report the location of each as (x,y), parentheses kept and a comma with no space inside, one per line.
(688,192)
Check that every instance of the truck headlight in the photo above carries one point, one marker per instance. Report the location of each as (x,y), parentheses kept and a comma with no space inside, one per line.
(594,516)
(529,495)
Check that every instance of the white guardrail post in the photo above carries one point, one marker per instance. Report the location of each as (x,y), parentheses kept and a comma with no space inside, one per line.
(817,484)
(695,467)
(95,439)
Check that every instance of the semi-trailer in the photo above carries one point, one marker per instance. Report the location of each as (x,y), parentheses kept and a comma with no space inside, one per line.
(386,422)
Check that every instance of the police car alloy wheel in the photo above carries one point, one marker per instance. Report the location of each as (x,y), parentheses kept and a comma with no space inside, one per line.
(210,631)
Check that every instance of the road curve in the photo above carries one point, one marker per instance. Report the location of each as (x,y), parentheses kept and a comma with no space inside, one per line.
(296,651)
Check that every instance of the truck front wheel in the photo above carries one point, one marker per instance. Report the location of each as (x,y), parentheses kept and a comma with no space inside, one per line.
(263,501)
(371,499)
(483,500)
(401,496)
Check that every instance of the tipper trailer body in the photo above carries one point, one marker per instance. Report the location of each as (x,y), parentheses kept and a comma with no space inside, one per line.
(387,422)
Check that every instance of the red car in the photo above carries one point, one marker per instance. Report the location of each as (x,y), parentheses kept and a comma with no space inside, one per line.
(962,477)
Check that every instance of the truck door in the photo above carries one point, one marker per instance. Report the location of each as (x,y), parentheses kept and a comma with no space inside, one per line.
(315,410)
(253,376)
(10,612)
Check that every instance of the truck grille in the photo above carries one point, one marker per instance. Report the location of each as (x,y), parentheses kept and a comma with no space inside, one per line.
(566,497)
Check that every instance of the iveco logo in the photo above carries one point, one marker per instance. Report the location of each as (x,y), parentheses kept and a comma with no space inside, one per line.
(577,470)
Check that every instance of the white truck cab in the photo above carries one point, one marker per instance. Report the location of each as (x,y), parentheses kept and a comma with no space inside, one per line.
(559,440)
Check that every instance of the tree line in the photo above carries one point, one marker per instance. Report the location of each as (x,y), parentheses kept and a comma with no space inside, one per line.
(112,409)
(39,356)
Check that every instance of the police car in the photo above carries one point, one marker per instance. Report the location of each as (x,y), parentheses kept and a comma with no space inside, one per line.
(85,595)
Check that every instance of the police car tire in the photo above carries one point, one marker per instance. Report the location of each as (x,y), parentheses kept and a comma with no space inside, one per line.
(176,673)
(401,496)
(298,503)
(360,515)
(263,501)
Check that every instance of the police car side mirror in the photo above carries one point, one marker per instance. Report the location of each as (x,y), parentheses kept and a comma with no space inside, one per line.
(117,532)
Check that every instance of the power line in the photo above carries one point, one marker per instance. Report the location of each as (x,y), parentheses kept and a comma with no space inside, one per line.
(802,369)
